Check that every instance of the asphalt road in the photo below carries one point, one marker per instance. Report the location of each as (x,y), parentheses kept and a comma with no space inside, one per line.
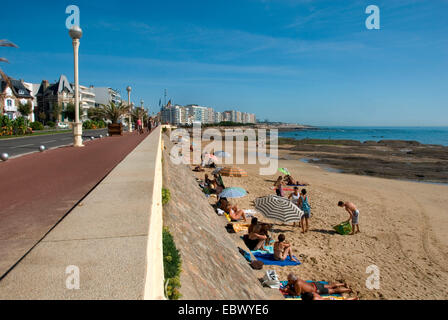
(19,146)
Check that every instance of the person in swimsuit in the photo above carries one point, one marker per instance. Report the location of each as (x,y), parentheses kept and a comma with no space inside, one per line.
(304,205)
(282,249)
(297,287)
(294,197)
(235,213)
(354,215)
(279,187)
(311,296)
(256,237)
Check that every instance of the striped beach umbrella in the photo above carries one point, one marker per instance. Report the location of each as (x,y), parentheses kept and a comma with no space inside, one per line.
(278,208)
(233,172)
(233,193)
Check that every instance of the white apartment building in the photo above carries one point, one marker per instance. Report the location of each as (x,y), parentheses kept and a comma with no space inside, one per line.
(86,101)
(105,95)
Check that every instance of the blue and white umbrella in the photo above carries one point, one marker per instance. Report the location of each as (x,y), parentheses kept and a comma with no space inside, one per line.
(233,193)
(222,154)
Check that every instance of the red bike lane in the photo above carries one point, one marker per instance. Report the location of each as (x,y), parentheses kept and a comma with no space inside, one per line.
(38,190)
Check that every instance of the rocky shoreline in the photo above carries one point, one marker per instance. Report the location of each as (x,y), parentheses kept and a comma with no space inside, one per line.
(394,159)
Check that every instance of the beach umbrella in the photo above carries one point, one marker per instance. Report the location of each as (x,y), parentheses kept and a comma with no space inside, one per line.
(233,193)
(233,172)
(222,154)
(284,171)
(278,208)
(217,170)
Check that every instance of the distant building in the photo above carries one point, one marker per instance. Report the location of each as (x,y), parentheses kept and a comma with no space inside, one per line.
(105,95)
(13,94)
(87,100)
(49,96)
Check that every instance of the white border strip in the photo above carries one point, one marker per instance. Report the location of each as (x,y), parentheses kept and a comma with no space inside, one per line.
(154,283)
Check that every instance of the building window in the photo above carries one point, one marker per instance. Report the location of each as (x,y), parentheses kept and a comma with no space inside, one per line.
(9,103)
(21,92)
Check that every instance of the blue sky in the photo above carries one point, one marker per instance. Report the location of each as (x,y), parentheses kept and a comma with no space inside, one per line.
(304,61)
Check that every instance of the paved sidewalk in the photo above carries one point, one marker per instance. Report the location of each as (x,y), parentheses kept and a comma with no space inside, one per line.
(37,190)
(106,237)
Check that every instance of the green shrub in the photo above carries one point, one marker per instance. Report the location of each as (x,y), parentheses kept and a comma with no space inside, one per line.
(36,126)
(166,196)
(19,126)
(172,265)
(51,124)
(87,125)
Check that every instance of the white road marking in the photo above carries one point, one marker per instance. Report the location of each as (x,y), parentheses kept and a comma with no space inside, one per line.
(24,146)
(49,141)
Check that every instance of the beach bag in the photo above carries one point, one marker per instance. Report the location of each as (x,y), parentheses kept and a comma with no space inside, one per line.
(305,205)
(343,228)
(271,280)
(257,265)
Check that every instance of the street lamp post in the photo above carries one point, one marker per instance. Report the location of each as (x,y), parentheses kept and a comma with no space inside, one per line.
(76,34)
(129,89)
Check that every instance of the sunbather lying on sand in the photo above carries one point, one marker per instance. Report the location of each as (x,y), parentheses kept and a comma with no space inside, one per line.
(235,213)
(297,287)
(308,296)
(290,181)
(282,249)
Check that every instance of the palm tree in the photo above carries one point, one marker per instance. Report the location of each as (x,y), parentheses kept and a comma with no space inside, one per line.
(113,112)
(6,43)
(138,113)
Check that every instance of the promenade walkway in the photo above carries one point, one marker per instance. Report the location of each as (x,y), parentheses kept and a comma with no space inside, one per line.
(105,236)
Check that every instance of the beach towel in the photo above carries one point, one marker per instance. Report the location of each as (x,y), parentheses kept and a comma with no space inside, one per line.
(250,213)
(344,228)
(220,212)
(228,216)
(269,248)
(287,188)
(268,259)
(239,227)
(283,285)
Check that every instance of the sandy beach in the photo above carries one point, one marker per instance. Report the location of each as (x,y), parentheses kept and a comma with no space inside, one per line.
(403,230)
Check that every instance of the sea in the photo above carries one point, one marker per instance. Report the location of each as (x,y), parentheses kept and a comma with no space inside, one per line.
(425,135)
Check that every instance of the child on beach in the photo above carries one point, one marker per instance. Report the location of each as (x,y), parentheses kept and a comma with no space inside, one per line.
(354,215)
(304,205)
(282,249)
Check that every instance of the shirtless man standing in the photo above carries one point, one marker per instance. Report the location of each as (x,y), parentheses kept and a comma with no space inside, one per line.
(297,287)
(354,215)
